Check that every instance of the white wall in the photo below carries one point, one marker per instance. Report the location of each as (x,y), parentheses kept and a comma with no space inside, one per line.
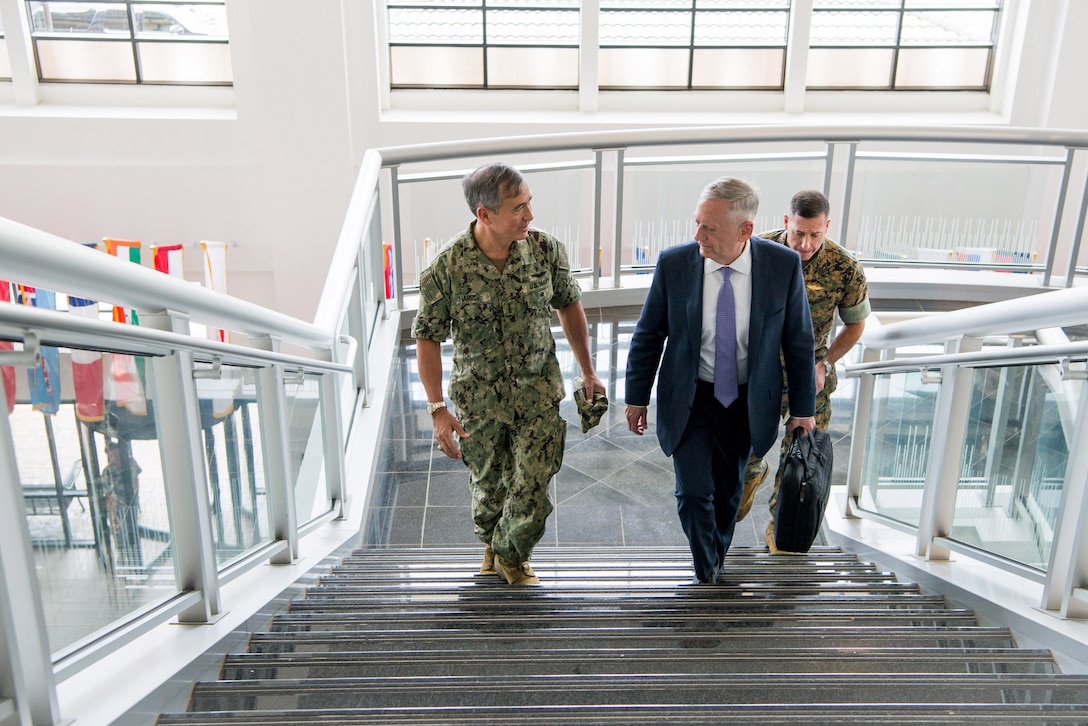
(271,171)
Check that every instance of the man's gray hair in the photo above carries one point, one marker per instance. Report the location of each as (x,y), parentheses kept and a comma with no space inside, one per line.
(489,185)
(742,197)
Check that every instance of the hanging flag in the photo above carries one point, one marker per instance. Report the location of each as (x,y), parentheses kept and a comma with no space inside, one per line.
(215,276)
(168,259)
(125,384)
(87,368)
(7,372)
(44,379)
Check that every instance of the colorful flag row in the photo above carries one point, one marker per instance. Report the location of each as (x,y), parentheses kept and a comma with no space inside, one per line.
(127,382)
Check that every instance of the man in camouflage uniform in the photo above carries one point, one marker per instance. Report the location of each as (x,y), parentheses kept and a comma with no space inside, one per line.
(835,283)
(494,287)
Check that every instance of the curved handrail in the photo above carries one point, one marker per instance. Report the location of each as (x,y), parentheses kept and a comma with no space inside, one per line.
(670,136)
(330,307)
(1043,310)
(34,257)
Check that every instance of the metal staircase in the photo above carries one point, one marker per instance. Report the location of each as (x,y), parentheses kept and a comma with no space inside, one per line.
(417,636)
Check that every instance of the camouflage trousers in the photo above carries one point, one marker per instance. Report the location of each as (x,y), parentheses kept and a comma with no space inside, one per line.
(755,463)
(510,467)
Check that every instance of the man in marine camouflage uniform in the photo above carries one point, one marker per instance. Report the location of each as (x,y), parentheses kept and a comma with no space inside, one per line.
(494,287)
(835,282)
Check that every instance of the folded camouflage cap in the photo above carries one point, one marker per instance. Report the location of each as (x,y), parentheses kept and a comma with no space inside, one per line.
(590,412)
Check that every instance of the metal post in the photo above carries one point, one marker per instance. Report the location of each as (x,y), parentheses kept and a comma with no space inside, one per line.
(595,253)
(1067,171)
(398,255)
(945,453)
(26,667)
(177,426)
(276,446)
(617,234)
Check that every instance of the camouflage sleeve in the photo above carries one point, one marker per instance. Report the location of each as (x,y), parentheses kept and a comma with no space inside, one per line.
(432,321)
(565,289)
(854,305)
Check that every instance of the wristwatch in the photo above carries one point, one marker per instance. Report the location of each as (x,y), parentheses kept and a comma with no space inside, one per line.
(828,365)
(435,406)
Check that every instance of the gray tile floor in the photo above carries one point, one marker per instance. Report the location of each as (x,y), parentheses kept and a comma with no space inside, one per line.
(615,488)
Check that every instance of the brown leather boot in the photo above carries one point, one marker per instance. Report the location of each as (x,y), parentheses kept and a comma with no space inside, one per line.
(751,486)
(487,567)
(519,574)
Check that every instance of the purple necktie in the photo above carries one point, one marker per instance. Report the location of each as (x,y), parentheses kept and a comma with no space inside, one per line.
(725,344)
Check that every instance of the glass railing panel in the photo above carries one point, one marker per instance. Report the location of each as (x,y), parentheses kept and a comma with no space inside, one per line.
(992,213)
(306,441)
(95,496)
(659,200)
(1015,455)
(434,212)
(897,446)
(233,451)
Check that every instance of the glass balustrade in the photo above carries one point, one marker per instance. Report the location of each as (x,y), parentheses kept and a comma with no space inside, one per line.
(234,455)
(1014,461)
(897,446)
(95,495)
(306,440)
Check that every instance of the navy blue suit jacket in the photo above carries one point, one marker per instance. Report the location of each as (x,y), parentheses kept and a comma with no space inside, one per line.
(669,329)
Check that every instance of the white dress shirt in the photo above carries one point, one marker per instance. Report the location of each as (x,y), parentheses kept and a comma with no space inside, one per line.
(742,303)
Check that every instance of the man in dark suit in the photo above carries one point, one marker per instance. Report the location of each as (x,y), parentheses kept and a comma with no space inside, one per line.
(720,312)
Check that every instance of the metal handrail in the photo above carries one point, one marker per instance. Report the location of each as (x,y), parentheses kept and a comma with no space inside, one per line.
(41,259)
(70,331)
(1024,355)
(671,136)
(1044,310)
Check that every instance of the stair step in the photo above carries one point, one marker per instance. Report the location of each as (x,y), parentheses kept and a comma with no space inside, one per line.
(318,621)
(491,638)
(693,715)
(748,689)
(412,661)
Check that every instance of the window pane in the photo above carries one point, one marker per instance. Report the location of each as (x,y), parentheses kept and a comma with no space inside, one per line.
(48,18)
(854,28)
(855,4)
(741,4)
(436,66)
(718,29)
(5,61)
(942,68)
(532,67)
(645,28)
(445,26)
(974,28)
(206,63)
(850,68)
(738,68)
(86,60)
(643,68)
(208,21)
(554,27)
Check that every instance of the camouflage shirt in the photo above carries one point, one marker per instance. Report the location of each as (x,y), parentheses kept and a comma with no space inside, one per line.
(504,363)
(835,282)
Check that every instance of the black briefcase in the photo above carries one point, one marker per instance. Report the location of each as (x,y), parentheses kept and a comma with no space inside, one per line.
(804,485)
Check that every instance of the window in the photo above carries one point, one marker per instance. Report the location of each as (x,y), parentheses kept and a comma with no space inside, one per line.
(680,44)
(902,44)
(891,45)
(484,44)
(5,59)
(131,42)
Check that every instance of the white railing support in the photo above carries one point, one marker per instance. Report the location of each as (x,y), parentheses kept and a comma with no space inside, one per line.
(945,453)
(178,429)
(26,668)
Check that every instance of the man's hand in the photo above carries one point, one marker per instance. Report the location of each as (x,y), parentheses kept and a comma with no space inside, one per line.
(636,418)
(592,385)
(446,426)
(806,424)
